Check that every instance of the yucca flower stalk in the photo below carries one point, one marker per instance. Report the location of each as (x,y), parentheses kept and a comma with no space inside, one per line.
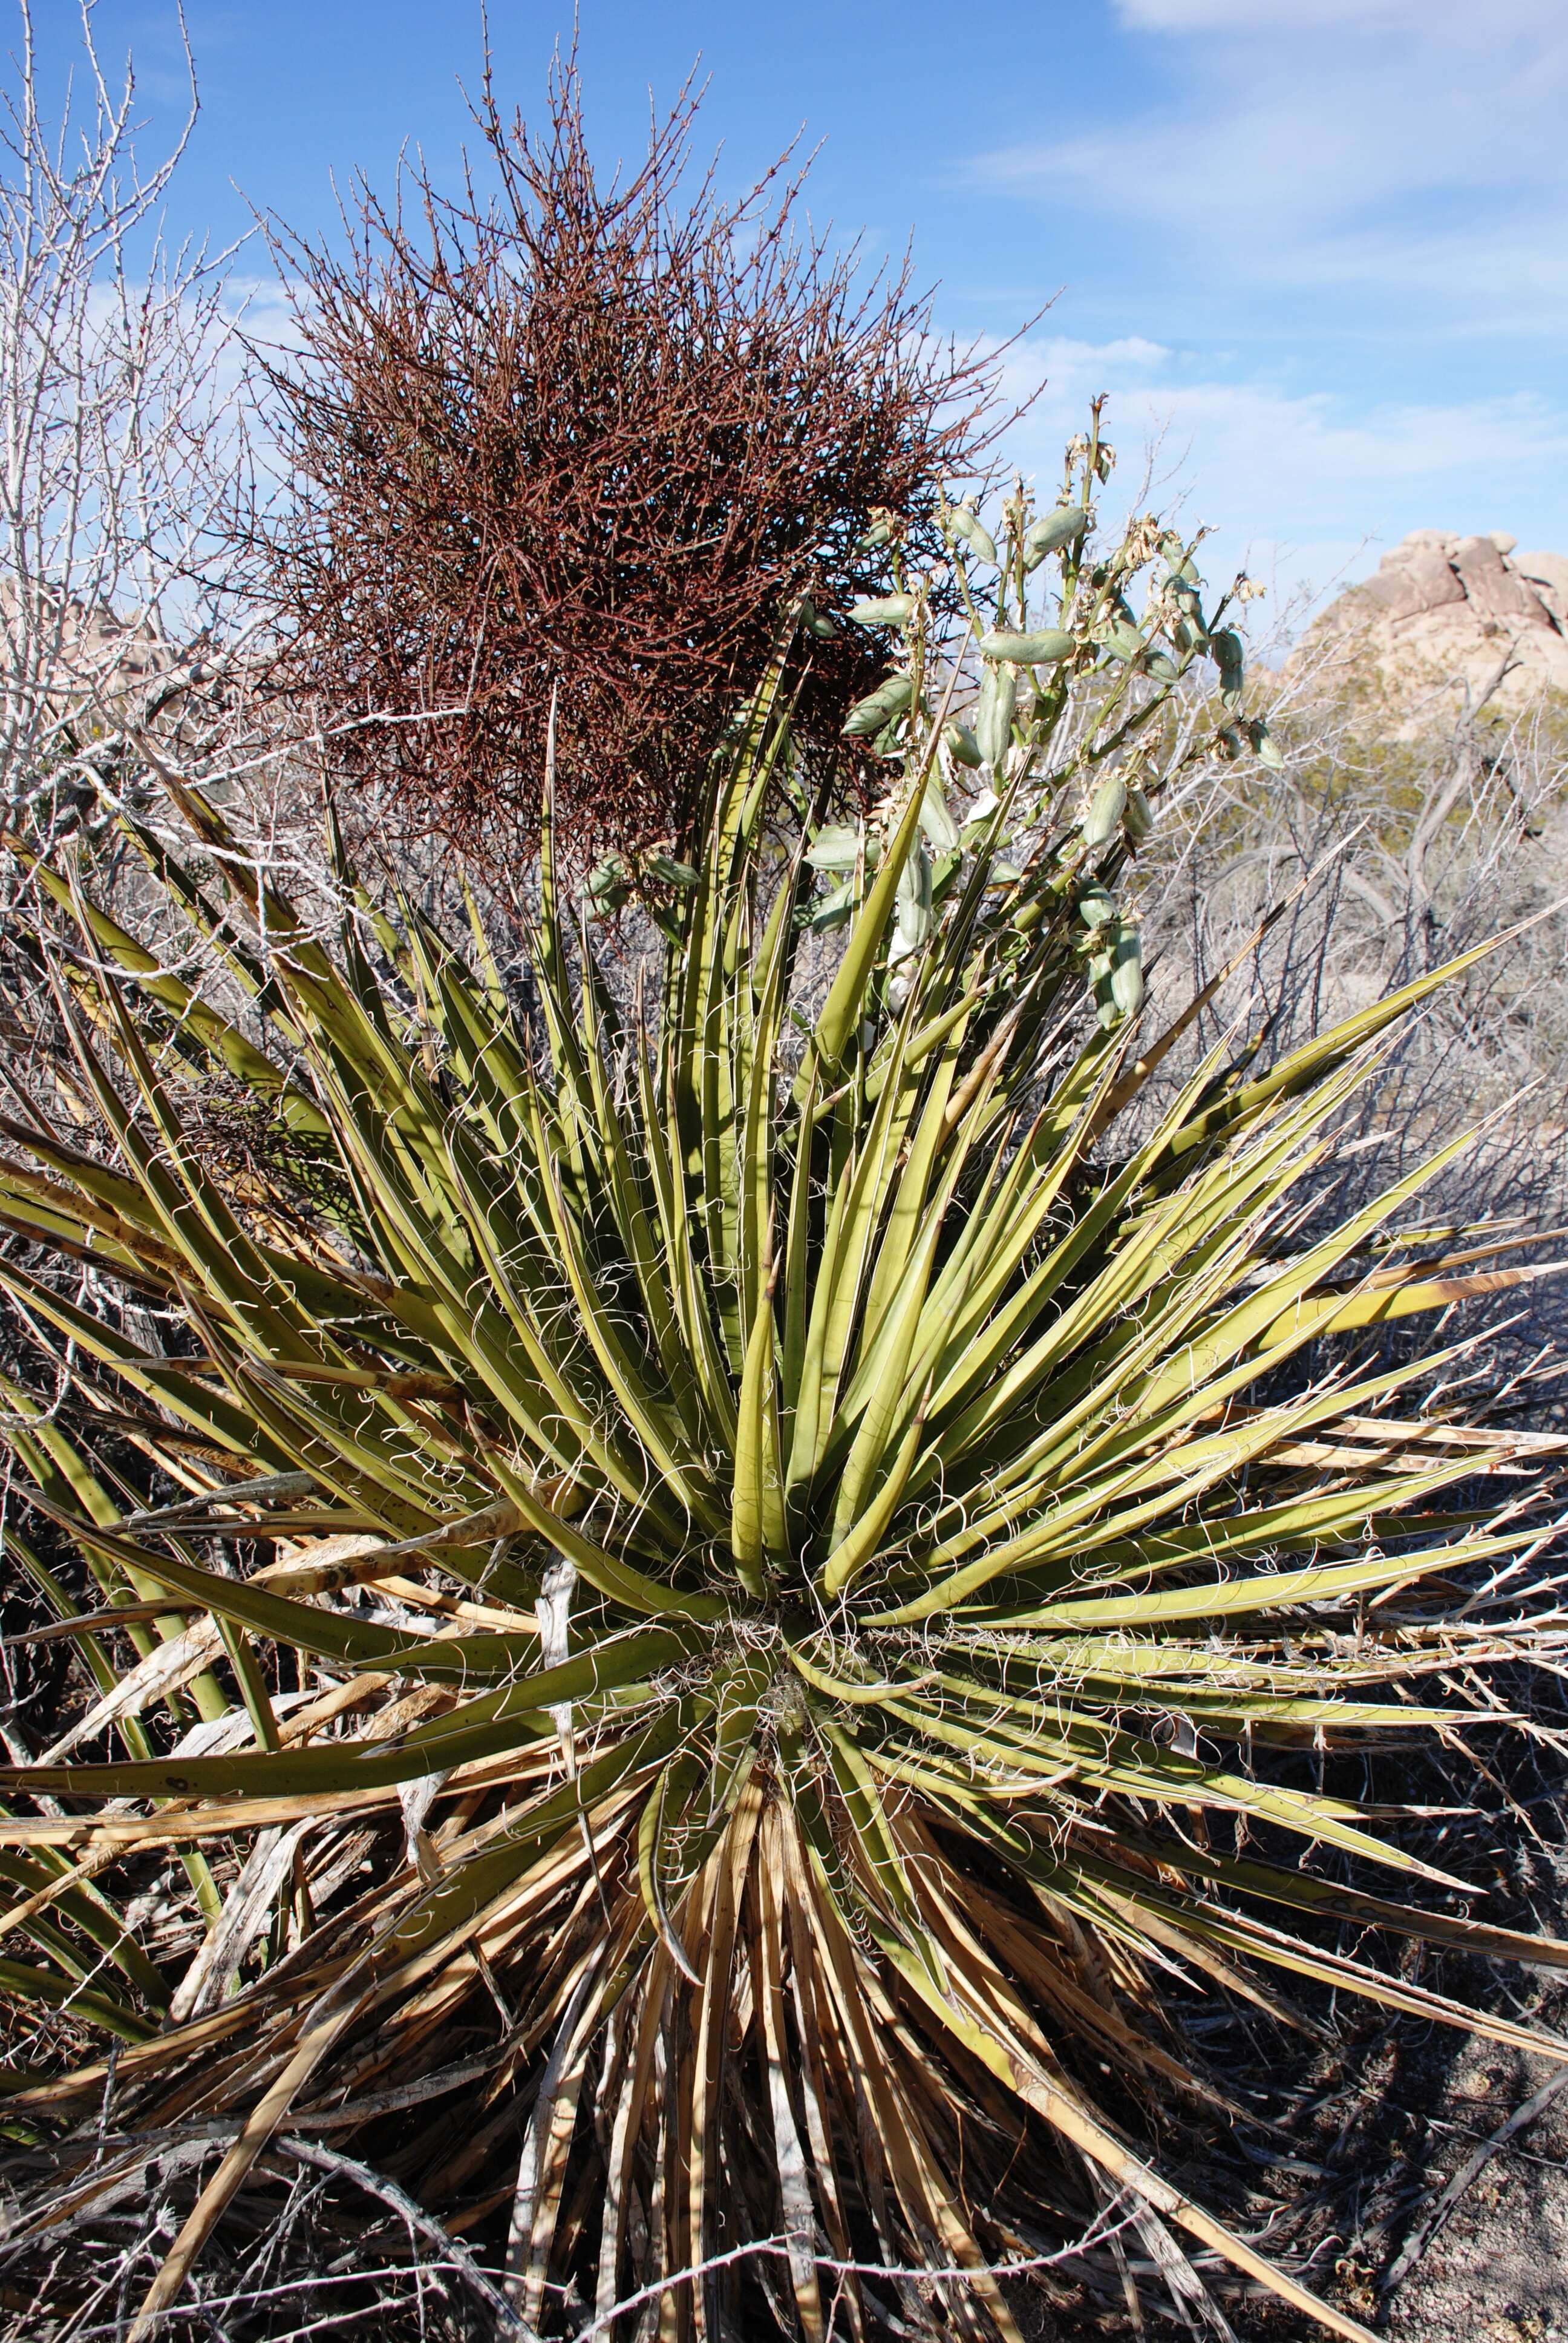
(730,1592)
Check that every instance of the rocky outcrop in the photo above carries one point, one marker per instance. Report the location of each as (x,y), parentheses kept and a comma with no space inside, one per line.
(1445,616)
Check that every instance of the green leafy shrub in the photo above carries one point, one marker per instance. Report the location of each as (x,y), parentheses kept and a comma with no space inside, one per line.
(758,1506)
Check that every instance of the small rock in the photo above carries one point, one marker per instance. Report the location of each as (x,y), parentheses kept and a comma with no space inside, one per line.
(1548,573)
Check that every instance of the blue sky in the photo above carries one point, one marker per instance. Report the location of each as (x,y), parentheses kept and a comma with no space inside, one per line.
(1315,249)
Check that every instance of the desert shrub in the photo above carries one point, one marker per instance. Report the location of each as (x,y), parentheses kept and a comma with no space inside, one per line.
(121,409)
(1419,839)
(725,1617)
(569,447)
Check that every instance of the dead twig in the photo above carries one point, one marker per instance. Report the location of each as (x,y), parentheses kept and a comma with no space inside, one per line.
(1465,2178)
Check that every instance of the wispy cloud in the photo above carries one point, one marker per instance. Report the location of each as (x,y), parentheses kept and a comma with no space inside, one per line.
(1265,17)
(1299,486)
(1333,235)
(1416,145)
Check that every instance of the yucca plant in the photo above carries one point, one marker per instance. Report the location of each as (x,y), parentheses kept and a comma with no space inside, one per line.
(733,1587)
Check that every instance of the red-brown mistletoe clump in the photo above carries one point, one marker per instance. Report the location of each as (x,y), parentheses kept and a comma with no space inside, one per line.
(585,439)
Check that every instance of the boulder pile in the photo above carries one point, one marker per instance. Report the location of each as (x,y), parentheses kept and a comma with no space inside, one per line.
(1444,618)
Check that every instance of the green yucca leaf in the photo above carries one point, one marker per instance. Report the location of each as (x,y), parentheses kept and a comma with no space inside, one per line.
(475,1730)
(795,1547)
(841,1010)
(57,1990)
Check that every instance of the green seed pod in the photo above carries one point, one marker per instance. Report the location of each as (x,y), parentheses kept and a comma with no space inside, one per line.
(816,622)
(969,529)
(1103,819)
(912,926)
(1122,640)
(1139,818)
(883,610)
(1187,628)
(1046,647)
(1181,563)
(1054,529)
(868,717)
(1229,655)
(914,923)
(1188,635)
(1265,747)
(936,822)
(880,533)
(609,886)
(1126,976)
(1184,575)
(673,873)
(961,743)
(1095,906)
(836,848)
(1162,669)
(832,910)
(993,714)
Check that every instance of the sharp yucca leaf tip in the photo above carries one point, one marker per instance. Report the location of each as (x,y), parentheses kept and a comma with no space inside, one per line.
(750,1510)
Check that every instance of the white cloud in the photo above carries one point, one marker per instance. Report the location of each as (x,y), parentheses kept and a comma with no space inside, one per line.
(1265,17)
(1296,487)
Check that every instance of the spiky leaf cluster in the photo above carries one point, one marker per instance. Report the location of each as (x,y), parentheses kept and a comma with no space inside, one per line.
(752,1509)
